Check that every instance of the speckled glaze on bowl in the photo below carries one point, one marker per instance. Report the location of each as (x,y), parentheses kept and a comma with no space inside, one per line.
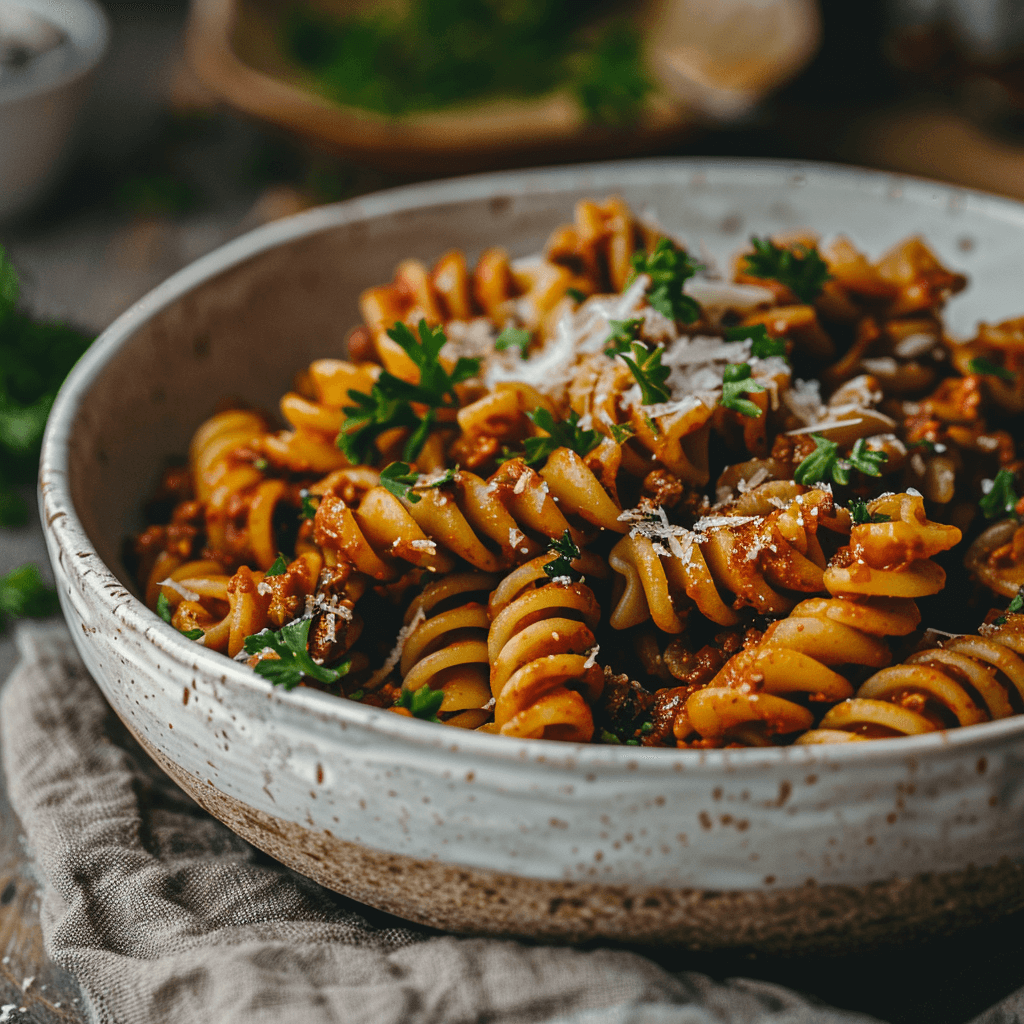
(786,849)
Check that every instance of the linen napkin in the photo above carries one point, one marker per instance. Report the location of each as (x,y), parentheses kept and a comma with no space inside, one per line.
(165,916)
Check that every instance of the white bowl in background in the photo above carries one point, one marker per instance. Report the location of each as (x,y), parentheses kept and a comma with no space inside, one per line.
(792,848)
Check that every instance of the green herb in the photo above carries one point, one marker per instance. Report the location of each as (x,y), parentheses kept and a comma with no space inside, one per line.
(357,695)
(928,446)
(632,743)
(279,568)
(621,432)
(860,514)
(825,463)
(576,295)
(424,702)
(611,84)
(609,737)
(308,510)
(35,357)
(389,403)
(163,608)
(192,634)
(798,267)
(560,434)
(513,336)
(1002,498)
(567,553)
(294,662)
(647,728)
(762,344)
(624,333)
(986,367)
(260,463)
(737,382)
(1015,606)
(399,479)
(669,268)
(24,595)
(649,373)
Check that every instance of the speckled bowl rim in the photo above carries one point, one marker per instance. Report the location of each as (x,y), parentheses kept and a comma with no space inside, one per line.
(106,590)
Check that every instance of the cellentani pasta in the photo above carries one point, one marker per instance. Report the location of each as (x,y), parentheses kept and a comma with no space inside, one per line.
(609,494)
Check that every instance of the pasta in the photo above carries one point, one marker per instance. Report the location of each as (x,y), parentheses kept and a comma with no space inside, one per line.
(600,494)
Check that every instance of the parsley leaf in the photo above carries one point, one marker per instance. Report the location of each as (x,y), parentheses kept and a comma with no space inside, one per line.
(513,336)
(424,702)
(1002,498)
(399,479)
(163,607)
(736,382)
(611,83)
(567,553)
(389,403)
(762,344)
(294,661)
(192,634)
(1013,608)
(621,432)
(650,374)
(24,595)
(825,462)
(669,268)
(308,510)
(986,367)
(799,268)
(279,567)
(609,737)
(867,461)
(575,294)
(624,333)
(561,434)
(860,514)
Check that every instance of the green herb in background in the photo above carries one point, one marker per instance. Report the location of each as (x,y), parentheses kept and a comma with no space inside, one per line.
(800,269)
(1002,498)
(35,357)
(438,53)
(24,595)
(762,344)
(986,367)
(513,336)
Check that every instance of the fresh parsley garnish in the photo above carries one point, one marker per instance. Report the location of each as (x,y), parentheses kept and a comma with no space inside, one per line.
(561,434)
(669,268)
(293,661)
(260,463)
(513,336)
(576,295)
(309,507)
(23,594)
(762,344)
(567,553)
(860,514)
(609,737)
(279,567)
(357,694)
(798,267)
(390,402)
(1002,499)
(399,479)
(621,432)
(649,373)
(611,83)
(928,446)
(1015,606)
(424,702)
(825,463)
(163,607)
(737,382)
(192,634)
(624,333)
(986,367)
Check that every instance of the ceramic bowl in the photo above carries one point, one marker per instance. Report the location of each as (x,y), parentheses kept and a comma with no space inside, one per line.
(784,849)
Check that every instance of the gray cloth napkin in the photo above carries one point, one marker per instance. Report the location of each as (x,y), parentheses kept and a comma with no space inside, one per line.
(165,915)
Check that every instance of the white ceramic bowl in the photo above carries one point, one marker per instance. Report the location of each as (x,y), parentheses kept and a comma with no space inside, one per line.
(39,106)
(789,848)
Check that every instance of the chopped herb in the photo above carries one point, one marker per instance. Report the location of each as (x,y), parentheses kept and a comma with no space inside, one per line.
(560,434)
(609,737)
(424,702)
(357,695)
(24,595)
(294,662)
(192,634)
(669,268)
(632,743)
(928,446)
(611,84)
(867,461)
(624,333)
(513,336)
(986,367)
(621,432)
(567,553)
(308,510)
(445,478)
(260,463)
(1013,608)
(1001,500)
(860,514)
(390,401)
(737,382)
(399,479)
(798,267)
(279,568)
(163,607)
(576,295)
(650,374)
(825,463)
(762,344)
(647,728)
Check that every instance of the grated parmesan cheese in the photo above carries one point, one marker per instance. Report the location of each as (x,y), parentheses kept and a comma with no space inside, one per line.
(188,595)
